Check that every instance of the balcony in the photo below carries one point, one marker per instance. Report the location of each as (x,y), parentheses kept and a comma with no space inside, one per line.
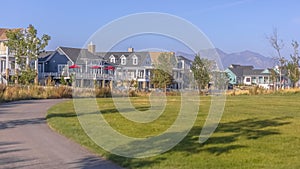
(94,76)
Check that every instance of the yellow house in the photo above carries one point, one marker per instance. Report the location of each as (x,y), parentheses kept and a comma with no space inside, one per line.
(6,59)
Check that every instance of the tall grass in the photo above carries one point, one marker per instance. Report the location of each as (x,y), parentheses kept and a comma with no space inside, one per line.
(256,90)
(12,93)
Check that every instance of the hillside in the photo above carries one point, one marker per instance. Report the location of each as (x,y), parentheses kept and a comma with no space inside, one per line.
(243,58)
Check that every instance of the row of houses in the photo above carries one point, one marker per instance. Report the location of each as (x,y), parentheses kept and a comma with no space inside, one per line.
(85,67)
(104,68)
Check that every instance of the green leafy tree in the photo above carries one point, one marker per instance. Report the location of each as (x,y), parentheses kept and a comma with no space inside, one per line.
(293,65)
(200,68)
(25,45)
(27,76)
(162,74)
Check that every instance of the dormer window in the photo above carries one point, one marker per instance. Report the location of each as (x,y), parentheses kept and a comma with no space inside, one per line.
(123,60)
(134,60)
(112,59)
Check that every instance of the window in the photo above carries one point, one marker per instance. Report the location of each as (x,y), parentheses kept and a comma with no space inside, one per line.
(123,60)
(60,68)
(248,79)
(134,60)
(112,59)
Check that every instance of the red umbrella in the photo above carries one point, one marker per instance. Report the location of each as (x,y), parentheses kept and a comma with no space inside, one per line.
(96,67)
(74,66)
(109,68)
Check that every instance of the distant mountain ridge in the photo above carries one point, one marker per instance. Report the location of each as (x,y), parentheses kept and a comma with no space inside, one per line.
(246,57)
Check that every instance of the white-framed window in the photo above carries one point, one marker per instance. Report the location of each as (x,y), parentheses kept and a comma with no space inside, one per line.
(134,60)
(60,67)
(112,59)
(123,60)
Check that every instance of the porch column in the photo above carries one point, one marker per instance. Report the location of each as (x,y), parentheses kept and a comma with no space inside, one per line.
(7,64)
(111,84)
(85,66)
(36,65)
(82,83)
(103,83)
(144,76)
(1,67)
(144,84)
(136,73)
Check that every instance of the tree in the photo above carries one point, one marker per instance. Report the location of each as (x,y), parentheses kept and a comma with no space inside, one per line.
(278,45)
(162,74)
(292,66)
(26,46)
(273,77)
(201,71)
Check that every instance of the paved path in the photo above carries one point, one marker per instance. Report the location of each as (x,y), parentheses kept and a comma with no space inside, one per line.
(27,142)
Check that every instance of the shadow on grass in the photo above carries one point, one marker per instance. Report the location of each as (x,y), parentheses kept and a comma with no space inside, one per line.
(224,141)
(106,111)
(93,162)
(232,132)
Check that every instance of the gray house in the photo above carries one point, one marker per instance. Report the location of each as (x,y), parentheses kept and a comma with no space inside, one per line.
(131,67)
(81,64)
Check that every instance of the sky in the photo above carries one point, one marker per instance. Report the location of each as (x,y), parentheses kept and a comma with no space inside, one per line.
(231,25)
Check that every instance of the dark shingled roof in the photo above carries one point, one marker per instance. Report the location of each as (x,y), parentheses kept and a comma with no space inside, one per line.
(128,55)
(77,55)
(45,55)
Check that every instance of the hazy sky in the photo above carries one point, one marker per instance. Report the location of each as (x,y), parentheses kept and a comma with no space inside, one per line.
(231,25)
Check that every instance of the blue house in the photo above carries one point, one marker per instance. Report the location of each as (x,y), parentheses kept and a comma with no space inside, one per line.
(66,62)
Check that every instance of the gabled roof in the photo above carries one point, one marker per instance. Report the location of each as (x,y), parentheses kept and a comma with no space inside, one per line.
(183,58)
(77,55)
(45,55)
(240,71)
(248,72)
(237,71)
(141,56)
(117,55)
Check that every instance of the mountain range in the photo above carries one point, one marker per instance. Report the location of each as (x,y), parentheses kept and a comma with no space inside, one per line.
(242,58)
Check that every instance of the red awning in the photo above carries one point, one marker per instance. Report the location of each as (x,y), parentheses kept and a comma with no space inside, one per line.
(74,66)
(96,67)
(109,68)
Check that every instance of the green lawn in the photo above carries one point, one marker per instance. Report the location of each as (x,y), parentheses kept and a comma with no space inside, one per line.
(255,132)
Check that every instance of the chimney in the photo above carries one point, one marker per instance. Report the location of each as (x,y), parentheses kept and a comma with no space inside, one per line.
(92,48)
(130,49)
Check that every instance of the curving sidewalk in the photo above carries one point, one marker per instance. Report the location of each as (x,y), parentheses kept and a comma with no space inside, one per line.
(26,141)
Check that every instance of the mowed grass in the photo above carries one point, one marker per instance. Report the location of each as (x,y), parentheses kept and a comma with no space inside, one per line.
(255,132)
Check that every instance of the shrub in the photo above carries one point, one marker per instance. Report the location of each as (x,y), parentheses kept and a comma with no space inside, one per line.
(132,93)
(103,92)
(2,90)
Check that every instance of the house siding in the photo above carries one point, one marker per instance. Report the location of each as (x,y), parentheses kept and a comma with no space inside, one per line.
(52,64)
